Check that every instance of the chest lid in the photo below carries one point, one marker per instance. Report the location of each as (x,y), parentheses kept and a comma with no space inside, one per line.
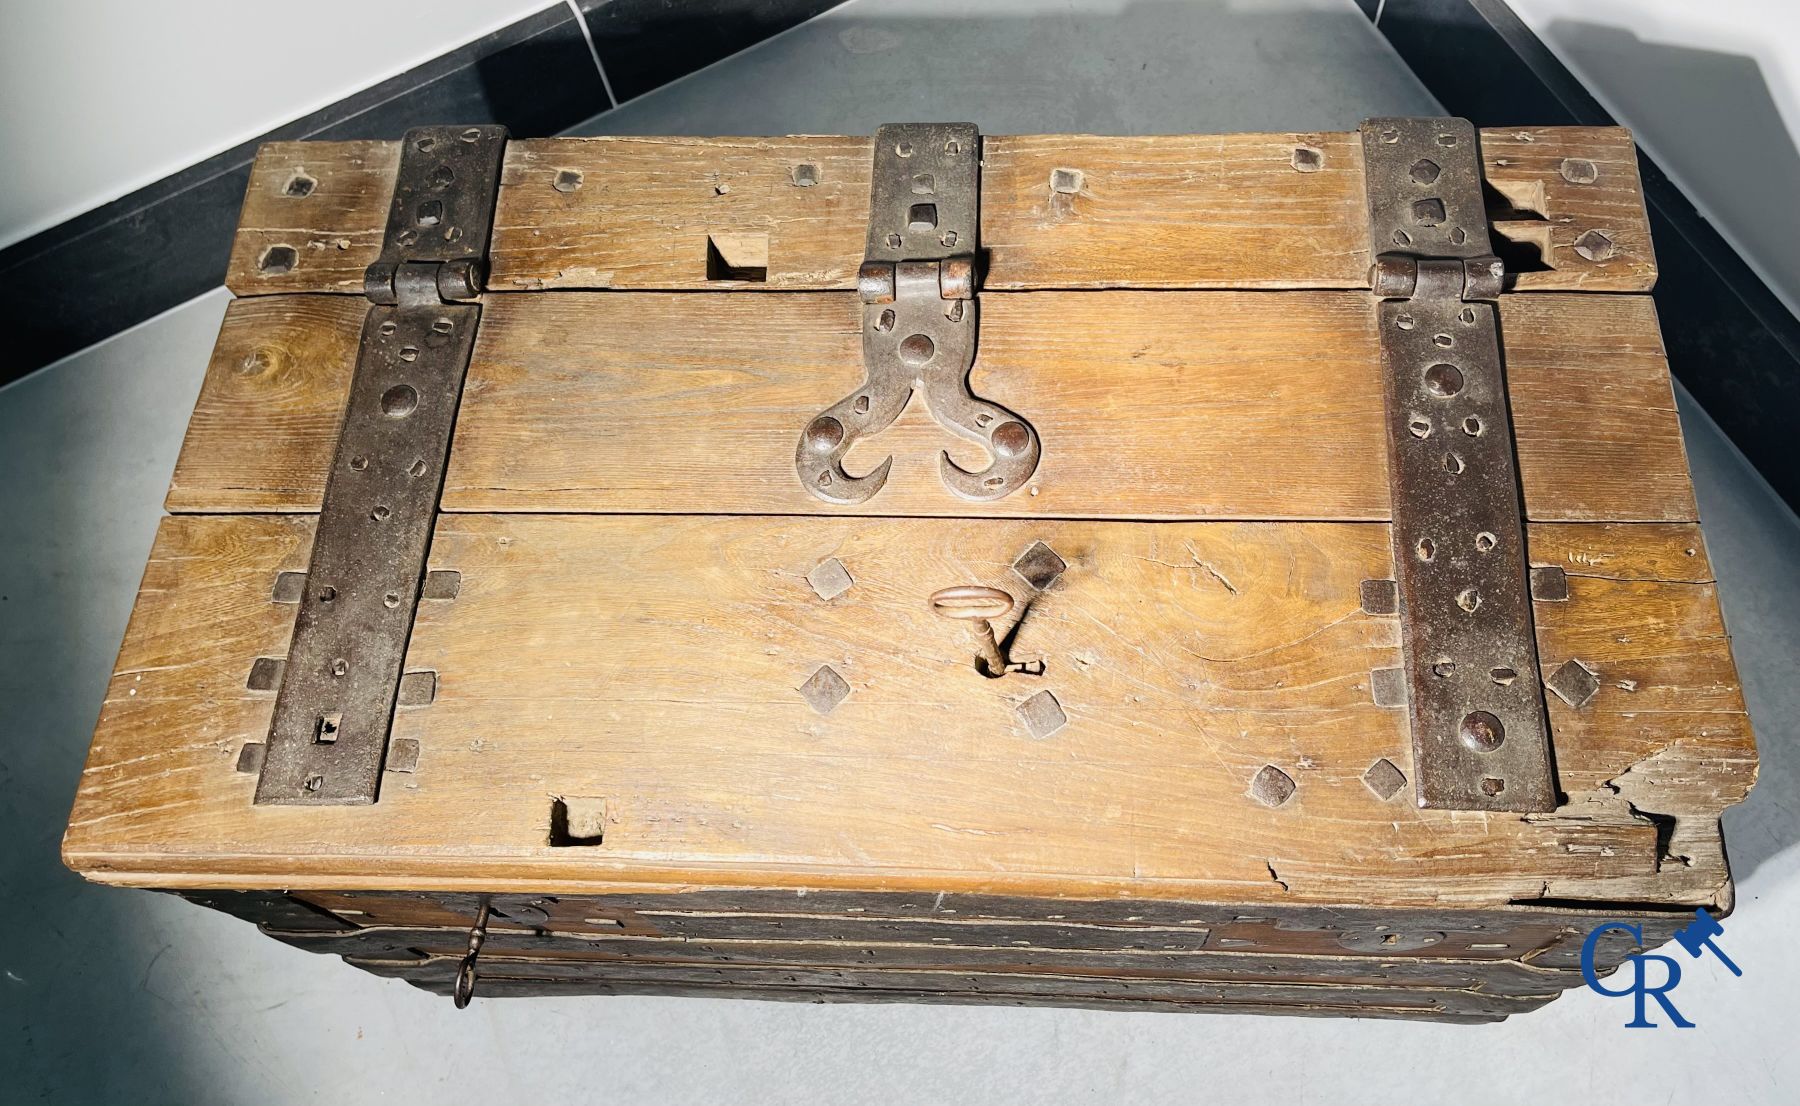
(1267,483)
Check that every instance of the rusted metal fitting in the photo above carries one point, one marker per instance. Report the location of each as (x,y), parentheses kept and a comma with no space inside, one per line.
(875,282)
(977,604)
(956,278)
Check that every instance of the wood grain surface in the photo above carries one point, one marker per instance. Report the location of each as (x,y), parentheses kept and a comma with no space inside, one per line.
(1058,211)
(1150,405)
(649,665)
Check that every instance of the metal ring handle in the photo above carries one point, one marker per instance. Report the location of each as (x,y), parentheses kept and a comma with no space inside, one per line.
(465,971)
(971,602)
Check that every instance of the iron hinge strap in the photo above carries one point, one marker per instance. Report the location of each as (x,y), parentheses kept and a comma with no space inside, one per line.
(328,739)
(918,285)
(1480,733)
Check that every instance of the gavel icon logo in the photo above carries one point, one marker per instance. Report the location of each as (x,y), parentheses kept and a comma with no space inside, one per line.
(1700,934)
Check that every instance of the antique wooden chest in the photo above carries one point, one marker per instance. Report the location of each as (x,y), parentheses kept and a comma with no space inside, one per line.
(1284,594)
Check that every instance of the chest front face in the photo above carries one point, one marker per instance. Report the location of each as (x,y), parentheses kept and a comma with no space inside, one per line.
(1176,534)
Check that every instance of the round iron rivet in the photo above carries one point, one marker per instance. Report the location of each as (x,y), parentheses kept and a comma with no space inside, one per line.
(340,667)
(1579,170)
(1010,439)
(399,401)
(824,434)
(1492,785)
(1482,732)
(1443,380)
(917,349)
(359,462)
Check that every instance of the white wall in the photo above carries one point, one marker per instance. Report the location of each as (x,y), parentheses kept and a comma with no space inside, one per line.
(1712,90)
(101,97)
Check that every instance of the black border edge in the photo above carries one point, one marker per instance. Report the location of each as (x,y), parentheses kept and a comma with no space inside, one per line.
(88,278)
(644,44)
(1730,340)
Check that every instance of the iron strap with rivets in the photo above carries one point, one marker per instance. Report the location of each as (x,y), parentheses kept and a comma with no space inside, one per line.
(917,284)
(1480,735)
(329,737)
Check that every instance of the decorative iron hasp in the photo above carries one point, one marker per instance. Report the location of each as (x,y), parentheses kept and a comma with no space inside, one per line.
(917,285)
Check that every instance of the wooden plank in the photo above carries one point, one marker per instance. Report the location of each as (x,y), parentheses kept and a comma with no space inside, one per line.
(1566,183)
(1541,936)
(333,225)
(646,664)
(1467,1009)
(1179,211)
(1150,405)
(267,420)
(901,985)
(865,945)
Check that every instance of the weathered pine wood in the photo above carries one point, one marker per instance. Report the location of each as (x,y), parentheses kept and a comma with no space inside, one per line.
(1151,405)
(879,952)
(896,985)
(647,664)
(1513,947)
(616,765)
(1058,211)
(1381,1003)
(1541,936)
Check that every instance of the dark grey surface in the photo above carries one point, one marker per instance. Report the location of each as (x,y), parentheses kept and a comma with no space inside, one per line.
(645,44)
(88,278)
(119,995)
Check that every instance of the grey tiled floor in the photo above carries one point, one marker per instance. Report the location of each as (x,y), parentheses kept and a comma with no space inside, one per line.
(115,995)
